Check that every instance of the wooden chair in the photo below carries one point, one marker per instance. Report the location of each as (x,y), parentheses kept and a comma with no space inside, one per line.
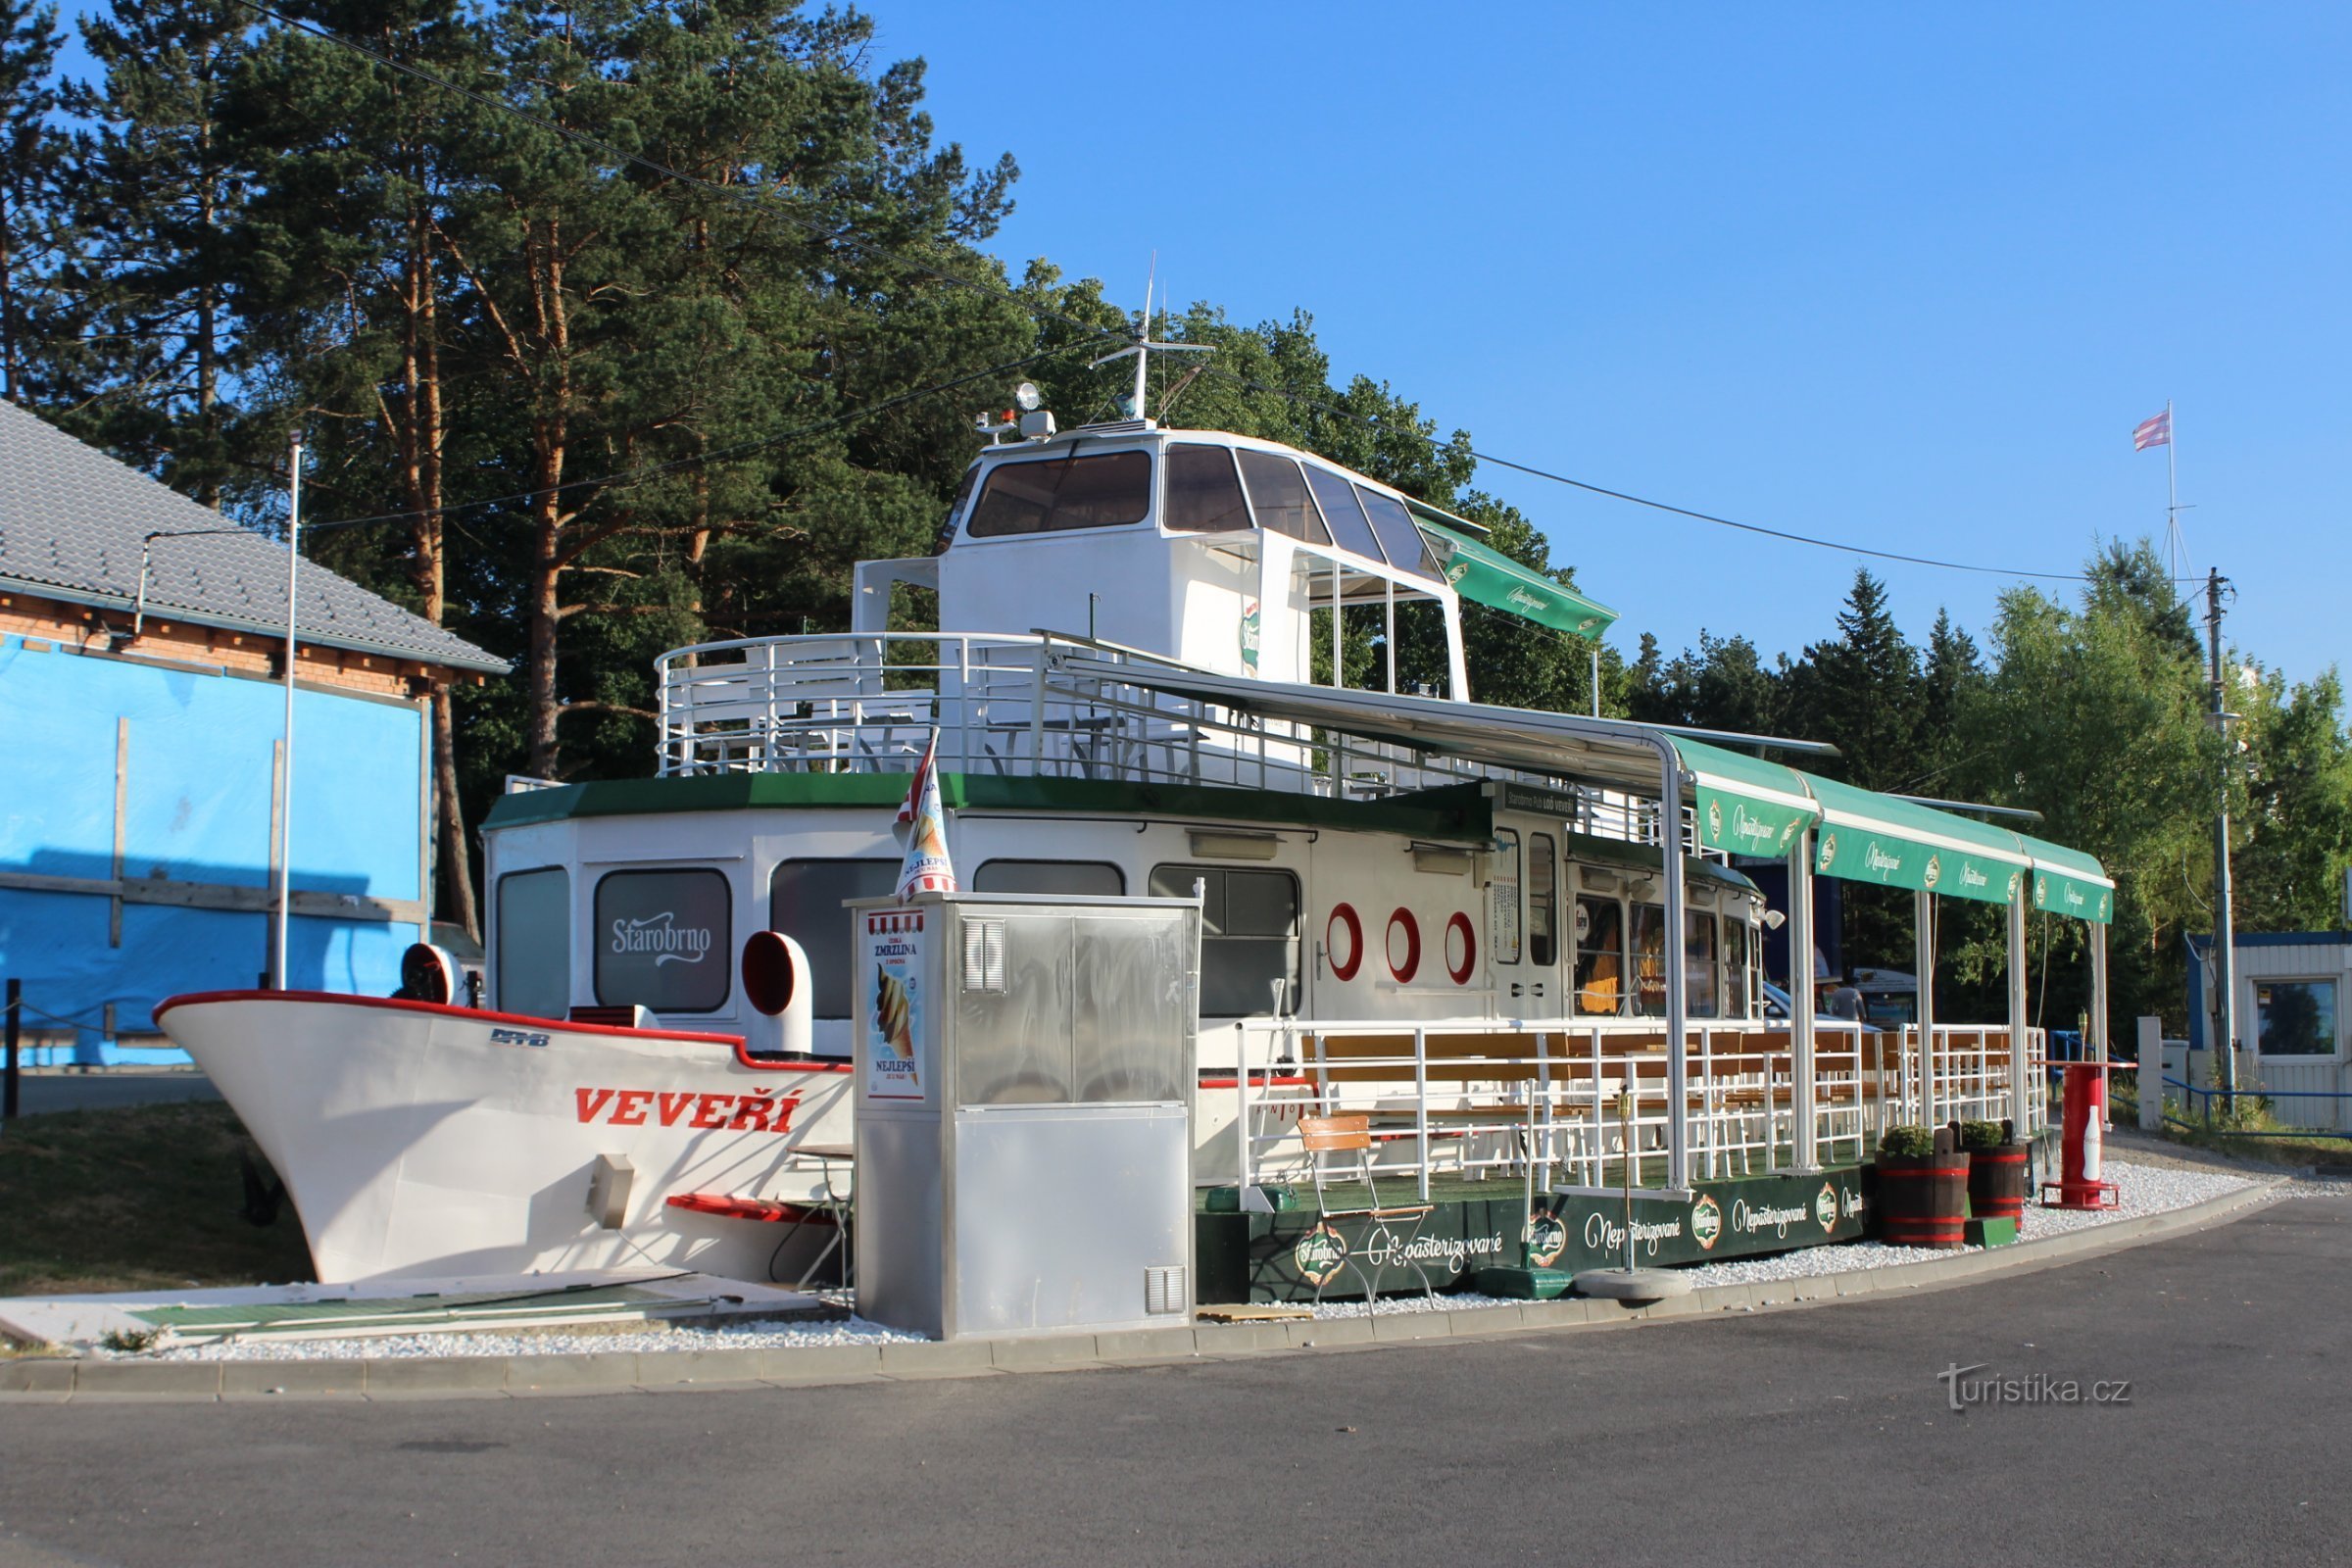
(1390,1230)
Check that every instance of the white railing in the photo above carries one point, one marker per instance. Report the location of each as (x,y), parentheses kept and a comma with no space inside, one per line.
(1472,1099)
(1003,706)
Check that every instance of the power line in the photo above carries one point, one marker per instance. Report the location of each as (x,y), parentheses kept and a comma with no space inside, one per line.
(833,236)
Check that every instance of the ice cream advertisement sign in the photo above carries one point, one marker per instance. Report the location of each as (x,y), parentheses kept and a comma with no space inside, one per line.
(892,1041)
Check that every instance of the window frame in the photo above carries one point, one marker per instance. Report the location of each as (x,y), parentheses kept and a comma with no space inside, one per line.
(2255,984)
(726,939)
(817,988)
(498,924)
(1295,998)
(1514,859)
(1151,494)
(1167,480)
(1578,948)
(1112,866)
(1549,900)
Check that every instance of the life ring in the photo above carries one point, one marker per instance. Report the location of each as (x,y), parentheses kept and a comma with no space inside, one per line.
(1411,965)
(1344,916)
(1469,965)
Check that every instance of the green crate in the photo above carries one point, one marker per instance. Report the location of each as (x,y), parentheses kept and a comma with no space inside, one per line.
(1228,1199)
(1523,1284)
(1988,1232)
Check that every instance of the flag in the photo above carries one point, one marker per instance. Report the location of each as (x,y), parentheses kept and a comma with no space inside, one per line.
(2153,432)
(923,825)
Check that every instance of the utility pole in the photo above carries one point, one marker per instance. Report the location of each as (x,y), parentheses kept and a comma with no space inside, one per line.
(2224,923)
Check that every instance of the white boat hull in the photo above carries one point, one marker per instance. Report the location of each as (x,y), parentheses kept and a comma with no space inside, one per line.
(416,1138)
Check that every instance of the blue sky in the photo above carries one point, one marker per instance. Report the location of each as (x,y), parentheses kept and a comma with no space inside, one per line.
(1894,274)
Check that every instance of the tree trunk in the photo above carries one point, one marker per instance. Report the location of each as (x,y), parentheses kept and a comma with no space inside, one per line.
(549,433)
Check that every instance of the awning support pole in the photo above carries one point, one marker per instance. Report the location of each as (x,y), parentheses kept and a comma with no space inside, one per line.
(1800,1002)
(2018,1105)
(1670,846)
(2098,1010)
(1923,920)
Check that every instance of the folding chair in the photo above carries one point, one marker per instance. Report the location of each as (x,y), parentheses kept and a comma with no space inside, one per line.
(1390,1230)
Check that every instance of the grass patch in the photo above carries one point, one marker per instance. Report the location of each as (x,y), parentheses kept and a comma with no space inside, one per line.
(143,1198)
(2248,1134)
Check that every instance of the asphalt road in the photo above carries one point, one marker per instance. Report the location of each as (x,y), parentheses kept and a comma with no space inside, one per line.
(1786,1438)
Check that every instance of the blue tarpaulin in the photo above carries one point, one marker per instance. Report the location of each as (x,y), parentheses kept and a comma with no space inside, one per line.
(198,753)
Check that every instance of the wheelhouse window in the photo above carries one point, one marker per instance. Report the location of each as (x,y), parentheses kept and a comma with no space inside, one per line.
(1335,497)
(1400,537)
(1204,491)
(1701,991)
(1649,960)
(1248,935)
(1736,984)
(534,943)
(664,939)
(1542,902)
(1599,956)
(1085,879)
(1278,495)
(804,902)
(1102,490)
(1503,938)
(2295,1018)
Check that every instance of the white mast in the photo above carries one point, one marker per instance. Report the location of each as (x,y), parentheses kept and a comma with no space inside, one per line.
(1143,346)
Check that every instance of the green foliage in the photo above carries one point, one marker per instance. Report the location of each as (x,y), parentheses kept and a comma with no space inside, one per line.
(1975,1135)
(1907,1143)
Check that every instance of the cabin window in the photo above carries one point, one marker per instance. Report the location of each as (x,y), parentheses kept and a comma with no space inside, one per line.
(1350,529)
(1599,956)
(2295,1018)
(1248,935)
(1649,961)
(1503,937)
(1104,490)
(664,939)
(1736,986)
(1700,990)
(1398,535)
(1084,879)
(1278,495)
(804,902)
(1205,492)
(534,943)
(1542,902)
(963,493)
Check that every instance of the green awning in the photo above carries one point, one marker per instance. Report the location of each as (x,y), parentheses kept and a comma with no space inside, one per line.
(1877,838)
(1746,804)
(2069,882)
(1491,577)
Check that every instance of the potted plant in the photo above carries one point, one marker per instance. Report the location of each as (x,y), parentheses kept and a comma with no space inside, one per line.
(1996,1170)
(1921,1188)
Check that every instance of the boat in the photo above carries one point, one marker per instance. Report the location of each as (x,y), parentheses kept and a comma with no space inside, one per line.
(1513,939)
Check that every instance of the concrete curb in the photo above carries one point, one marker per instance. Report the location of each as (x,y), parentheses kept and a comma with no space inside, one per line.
(34,1380)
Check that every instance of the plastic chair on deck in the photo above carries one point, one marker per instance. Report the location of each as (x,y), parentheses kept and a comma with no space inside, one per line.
(1390,1230)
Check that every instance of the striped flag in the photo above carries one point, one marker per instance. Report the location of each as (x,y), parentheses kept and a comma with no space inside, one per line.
(2153,432)
(923,825)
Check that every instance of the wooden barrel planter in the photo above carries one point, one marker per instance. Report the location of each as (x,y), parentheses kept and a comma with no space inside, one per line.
(1922,1199)
(1997,1181)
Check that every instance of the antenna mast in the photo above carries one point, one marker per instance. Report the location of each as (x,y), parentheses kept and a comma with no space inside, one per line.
(1143,347)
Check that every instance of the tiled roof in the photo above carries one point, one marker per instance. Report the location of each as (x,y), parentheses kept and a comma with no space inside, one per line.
(73,522)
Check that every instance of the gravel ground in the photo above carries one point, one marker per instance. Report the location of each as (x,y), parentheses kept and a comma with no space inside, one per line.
(2148,1188)
(753,1335)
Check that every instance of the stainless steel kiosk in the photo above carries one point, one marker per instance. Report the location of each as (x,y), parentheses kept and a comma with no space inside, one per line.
(1023,1112)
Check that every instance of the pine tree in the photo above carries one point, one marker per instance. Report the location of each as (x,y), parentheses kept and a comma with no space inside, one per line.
(33,230)
(159,195)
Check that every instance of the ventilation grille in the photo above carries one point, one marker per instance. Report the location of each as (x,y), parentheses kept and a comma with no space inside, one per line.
(984,955)
(1165,1290)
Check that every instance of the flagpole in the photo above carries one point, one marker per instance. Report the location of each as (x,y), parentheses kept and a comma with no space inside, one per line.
(2171,495)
